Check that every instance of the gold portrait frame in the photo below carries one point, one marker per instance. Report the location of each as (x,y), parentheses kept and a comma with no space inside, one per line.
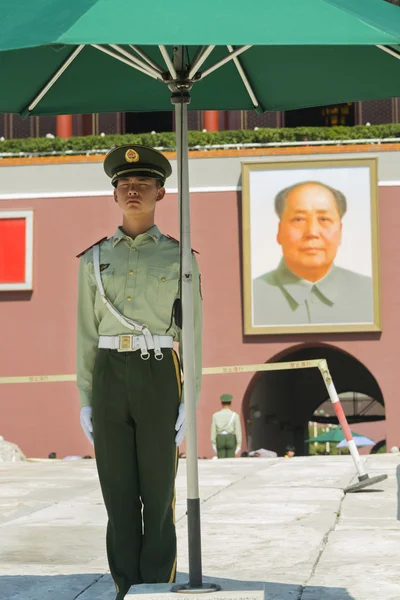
(247,169)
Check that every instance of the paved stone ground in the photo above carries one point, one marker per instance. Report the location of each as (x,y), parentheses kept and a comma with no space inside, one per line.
(282,526)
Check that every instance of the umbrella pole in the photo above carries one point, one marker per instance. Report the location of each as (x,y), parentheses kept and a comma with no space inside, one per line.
(181,98)
(193,500)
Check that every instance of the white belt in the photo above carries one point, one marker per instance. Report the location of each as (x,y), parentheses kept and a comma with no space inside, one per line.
(131,343)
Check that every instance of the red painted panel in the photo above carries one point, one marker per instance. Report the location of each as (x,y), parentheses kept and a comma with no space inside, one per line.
(12,250)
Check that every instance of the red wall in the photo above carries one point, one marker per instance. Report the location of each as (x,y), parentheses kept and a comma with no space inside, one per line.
(38,328)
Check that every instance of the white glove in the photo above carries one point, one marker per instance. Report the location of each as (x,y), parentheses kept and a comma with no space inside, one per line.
(86,422)
(214,448)
(180,425)
(238,449)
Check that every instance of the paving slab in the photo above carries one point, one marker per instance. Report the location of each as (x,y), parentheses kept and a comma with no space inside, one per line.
(272,529)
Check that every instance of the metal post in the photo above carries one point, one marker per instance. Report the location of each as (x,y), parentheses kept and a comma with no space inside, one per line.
(181,98)
(193,501)
(364,479)
(343,423)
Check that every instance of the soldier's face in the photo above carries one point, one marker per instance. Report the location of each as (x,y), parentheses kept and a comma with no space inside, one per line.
(310,231)
(138,195)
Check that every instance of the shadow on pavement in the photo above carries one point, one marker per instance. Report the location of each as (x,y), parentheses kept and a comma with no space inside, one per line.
(100,587)
(276,591)
(46,587)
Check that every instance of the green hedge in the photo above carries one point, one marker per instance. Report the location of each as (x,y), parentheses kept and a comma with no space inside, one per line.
(82,145)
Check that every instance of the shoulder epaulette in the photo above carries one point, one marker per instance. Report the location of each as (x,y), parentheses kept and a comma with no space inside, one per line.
(177,241)
(84,252)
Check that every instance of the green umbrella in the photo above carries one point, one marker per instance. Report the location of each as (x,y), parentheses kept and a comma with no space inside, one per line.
(59,57)
(333,435)
(293,54)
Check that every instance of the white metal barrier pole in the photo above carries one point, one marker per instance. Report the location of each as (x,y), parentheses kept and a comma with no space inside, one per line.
(323,367)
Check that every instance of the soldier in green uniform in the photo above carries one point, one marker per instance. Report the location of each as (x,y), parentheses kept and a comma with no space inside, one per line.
(226,430)
(128,373)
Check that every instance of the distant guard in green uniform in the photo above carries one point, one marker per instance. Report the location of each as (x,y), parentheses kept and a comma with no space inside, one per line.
(226,430)
(128,373)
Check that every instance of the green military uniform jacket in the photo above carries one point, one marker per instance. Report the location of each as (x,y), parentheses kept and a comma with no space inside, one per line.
(141,279)
(223,420)
(282,298)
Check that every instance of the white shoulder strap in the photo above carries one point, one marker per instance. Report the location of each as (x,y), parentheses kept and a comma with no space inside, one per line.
(231,420)
(129,323)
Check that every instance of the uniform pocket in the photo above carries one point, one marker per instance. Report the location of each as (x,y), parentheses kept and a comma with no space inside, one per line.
(107,277)
(162,285)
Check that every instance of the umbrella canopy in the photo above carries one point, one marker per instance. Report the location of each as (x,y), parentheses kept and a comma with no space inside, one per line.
(360,441)
(290,54)
(333,435)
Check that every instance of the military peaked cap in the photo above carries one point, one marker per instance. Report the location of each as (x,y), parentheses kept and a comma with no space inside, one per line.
(226,398)
(132,160)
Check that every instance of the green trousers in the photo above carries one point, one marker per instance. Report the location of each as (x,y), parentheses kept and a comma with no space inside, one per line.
(135,406)
(226,445)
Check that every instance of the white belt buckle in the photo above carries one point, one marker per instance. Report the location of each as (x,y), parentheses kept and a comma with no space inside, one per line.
(125,344)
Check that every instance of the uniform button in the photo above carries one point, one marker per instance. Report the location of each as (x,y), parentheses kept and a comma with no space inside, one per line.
(163,279)
(134,249)
(131,272)
(129,298)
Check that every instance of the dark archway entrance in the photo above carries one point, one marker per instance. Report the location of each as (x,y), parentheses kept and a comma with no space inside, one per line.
(279,404)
